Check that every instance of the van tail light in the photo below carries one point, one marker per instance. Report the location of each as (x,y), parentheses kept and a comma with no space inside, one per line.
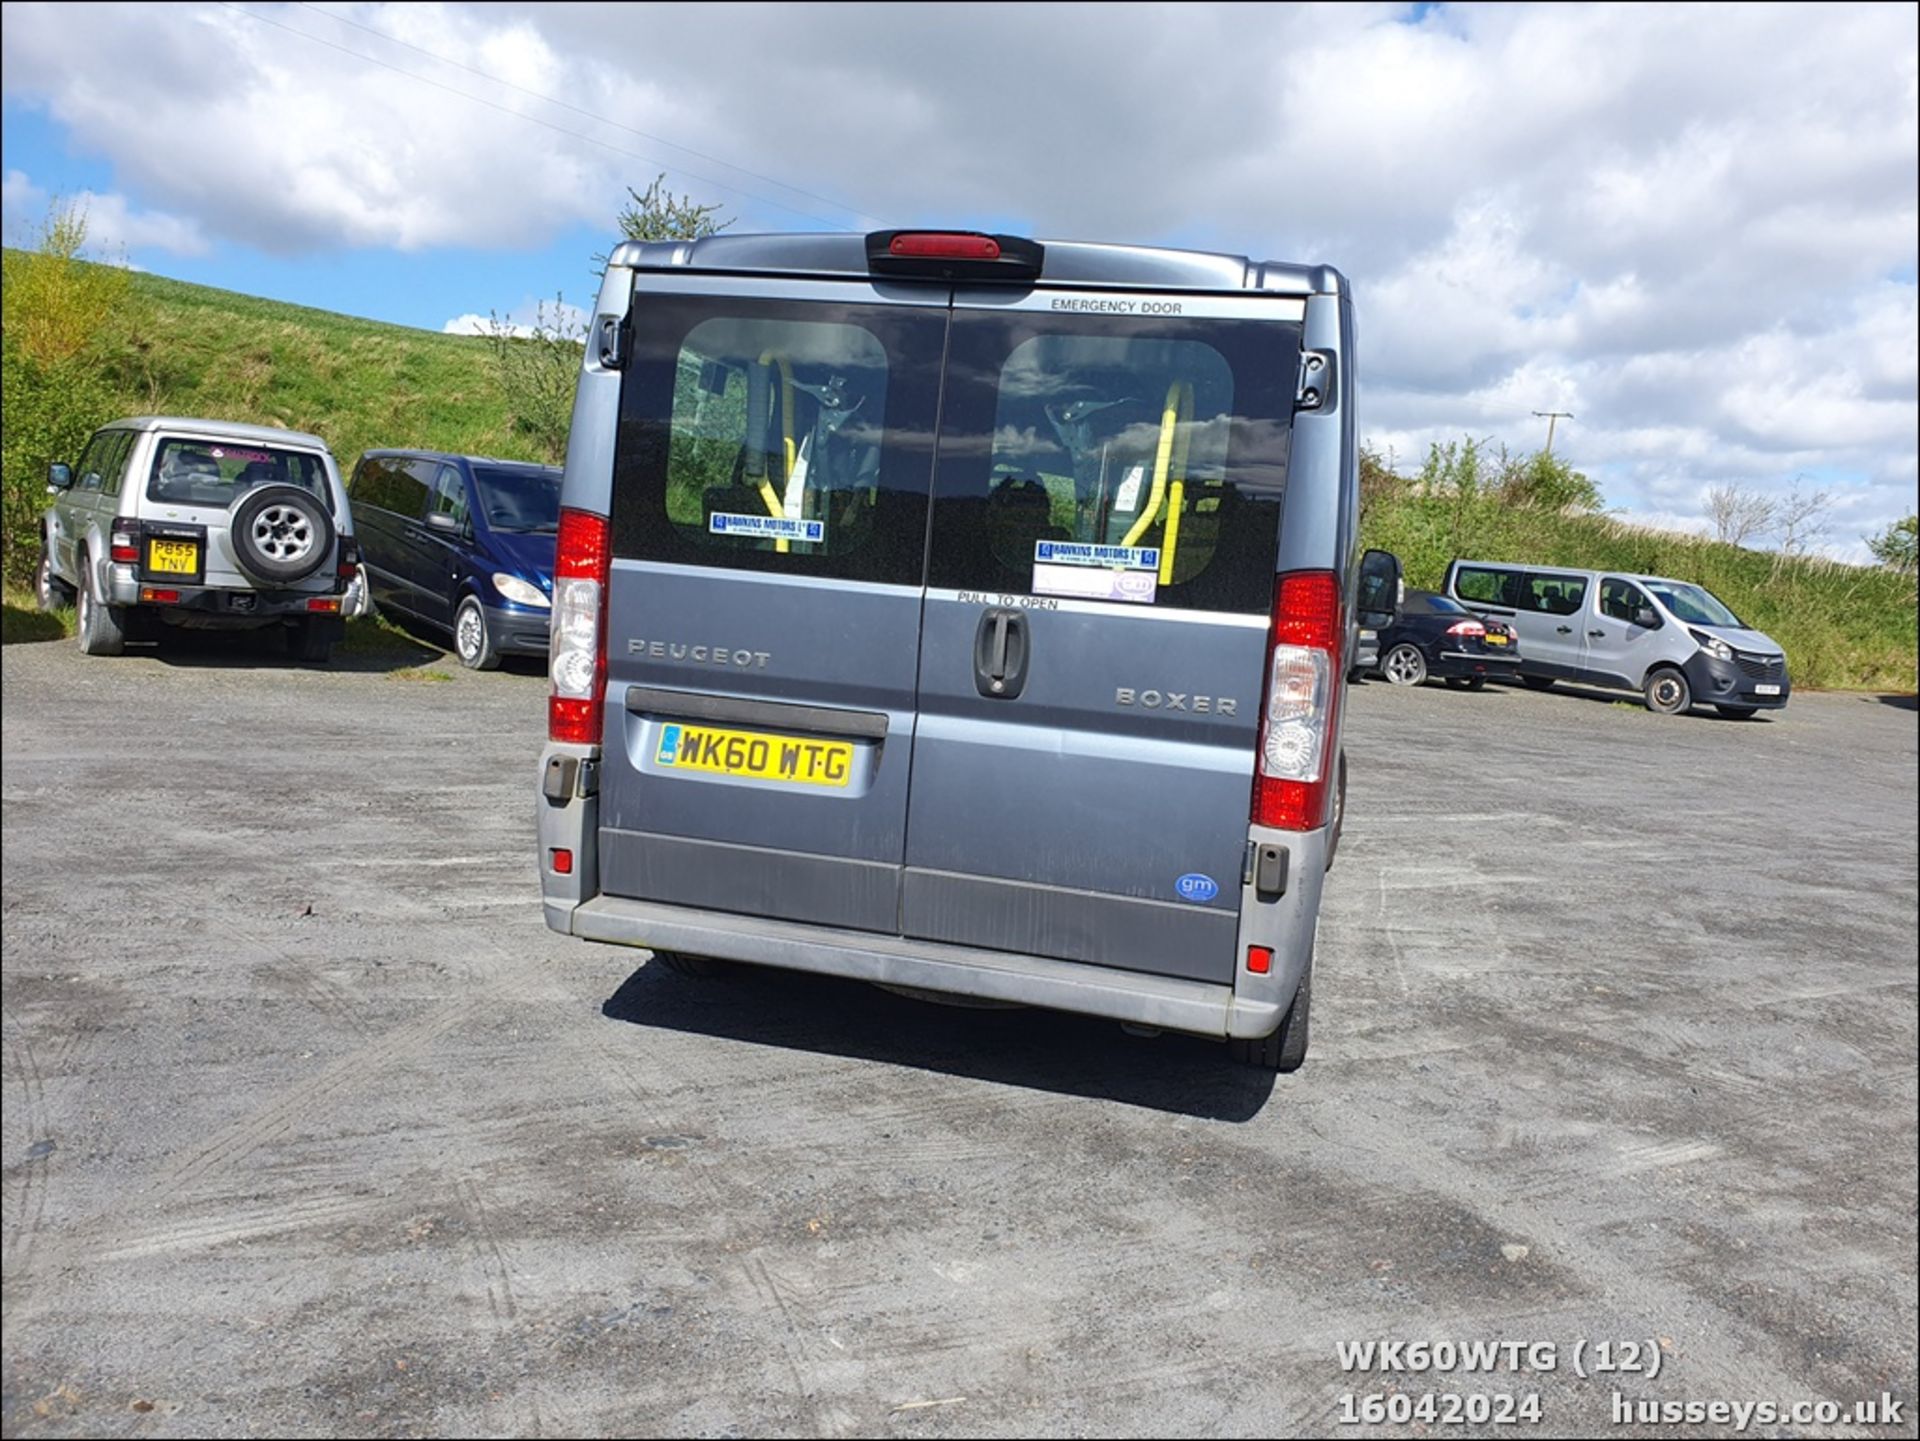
(1291,773)
(578,661)
(125,542)
(1467,628)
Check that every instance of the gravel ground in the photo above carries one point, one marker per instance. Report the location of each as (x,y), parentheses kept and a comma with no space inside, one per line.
(311,1127)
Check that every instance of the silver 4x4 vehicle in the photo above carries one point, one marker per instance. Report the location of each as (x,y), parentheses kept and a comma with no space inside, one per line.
(963,614)
(202,524)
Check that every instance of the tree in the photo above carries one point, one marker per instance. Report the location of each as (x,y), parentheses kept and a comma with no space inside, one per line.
(1894,546)
(57,310)
(1737,513)
(538,367)
(1545,481)
(659,214)
(1801,517)
(56,302)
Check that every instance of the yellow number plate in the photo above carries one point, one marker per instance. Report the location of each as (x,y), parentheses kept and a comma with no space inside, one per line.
(1496,640)
(754,755)
(176,557)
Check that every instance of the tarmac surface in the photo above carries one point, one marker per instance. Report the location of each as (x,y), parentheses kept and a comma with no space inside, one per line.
(311,1127)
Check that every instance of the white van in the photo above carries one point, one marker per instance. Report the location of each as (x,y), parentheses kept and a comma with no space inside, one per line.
(1673,641)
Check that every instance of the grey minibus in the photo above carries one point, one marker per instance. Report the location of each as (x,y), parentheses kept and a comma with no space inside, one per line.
(1673,641)
(961,613)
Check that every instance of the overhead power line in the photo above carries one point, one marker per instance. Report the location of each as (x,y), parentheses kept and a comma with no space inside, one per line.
(581,111)
(531,119)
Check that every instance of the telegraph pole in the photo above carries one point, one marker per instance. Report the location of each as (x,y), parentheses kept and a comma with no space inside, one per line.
(1550,416)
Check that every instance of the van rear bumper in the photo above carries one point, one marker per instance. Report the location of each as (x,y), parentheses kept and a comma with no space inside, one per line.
(1165,1001)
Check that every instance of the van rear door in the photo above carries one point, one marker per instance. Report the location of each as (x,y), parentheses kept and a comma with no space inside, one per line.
(1100,576)
(768,528)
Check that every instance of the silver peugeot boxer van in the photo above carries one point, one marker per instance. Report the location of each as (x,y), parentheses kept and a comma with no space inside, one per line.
(961,613)
(1673,641)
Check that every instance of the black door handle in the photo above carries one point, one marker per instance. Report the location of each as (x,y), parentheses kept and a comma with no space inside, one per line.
(1000,653)
(1564,629)
(1597,634)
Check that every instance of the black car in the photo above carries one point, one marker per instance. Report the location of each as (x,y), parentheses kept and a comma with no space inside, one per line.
(1438,638)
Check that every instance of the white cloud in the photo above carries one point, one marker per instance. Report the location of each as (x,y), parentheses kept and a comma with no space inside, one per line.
(114,228)
(522,319)
(1694,227)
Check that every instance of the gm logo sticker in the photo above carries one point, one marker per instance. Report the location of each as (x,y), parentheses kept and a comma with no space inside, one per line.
(1195,887)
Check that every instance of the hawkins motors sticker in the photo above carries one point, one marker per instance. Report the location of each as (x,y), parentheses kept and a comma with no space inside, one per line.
(1096,572)
(766,527)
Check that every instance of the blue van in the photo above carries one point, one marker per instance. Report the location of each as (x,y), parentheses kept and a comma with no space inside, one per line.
(463,543)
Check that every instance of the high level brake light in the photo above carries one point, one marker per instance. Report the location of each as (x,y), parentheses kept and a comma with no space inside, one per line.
(965,246)
(579,650)
(955,255)
(1290,783)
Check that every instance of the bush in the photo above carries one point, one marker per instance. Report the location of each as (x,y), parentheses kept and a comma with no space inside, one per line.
(56,313)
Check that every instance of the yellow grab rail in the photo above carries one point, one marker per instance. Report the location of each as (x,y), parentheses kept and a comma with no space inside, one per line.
(776,506)
(1162,457)
(1177,491)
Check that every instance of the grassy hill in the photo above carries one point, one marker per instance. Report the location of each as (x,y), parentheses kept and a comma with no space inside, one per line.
(358,384)
(361,384)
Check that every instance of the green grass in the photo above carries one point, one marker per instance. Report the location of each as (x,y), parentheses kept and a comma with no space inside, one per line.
(378,636)
(22,620)
(358,384)
(1843,627)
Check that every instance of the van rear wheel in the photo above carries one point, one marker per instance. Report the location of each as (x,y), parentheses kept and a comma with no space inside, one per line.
(695,968)
(1286,1048)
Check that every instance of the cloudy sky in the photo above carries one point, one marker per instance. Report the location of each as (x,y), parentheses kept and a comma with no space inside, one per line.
(1692,227)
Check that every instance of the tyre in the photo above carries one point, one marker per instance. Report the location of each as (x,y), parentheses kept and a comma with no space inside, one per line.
(1404,665)
(697,968)
(1286,1048)
(281,534)
(1738,712)
(49,590)
(1537,682)
(102,627)
(310,640)
(1467,682)
(1667,692)
(360,598)
(472,638)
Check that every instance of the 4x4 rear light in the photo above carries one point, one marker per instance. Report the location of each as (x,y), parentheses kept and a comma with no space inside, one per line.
(125,542)
(1291,773)
(578,658)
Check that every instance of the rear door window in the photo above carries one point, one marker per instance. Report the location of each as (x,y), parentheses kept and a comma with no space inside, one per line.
(1553,594)
(1114,459)
(779,436)
(116,463)
(385,483)
(215,473)
(1488,585)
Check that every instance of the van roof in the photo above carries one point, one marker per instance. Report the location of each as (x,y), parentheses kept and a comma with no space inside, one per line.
(1549,567)
(457,455)
(237,430)
(1066,262)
